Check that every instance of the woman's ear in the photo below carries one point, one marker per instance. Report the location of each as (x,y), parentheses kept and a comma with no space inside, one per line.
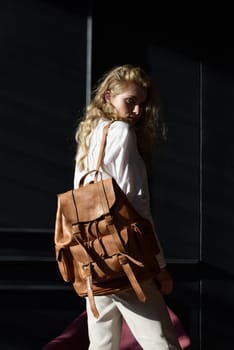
(107,95)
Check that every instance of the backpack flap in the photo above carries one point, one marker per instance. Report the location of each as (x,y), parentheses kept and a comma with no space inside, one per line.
(89,202)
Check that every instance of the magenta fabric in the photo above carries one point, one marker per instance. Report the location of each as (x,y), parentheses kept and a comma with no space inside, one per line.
(75,336)
(182,335)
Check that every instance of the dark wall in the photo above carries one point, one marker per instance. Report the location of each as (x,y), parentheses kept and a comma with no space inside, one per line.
(218,194)
(43,90)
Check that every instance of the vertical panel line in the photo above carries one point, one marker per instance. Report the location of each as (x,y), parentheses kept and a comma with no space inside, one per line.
(200,199)
(89,54)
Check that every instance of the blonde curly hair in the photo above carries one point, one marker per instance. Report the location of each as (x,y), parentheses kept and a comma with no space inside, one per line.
(149,128)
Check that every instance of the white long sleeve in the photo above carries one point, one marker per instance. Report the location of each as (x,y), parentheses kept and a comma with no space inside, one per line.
(122,162)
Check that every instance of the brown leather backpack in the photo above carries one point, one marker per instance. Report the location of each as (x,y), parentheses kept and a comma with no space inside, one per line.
(102,244)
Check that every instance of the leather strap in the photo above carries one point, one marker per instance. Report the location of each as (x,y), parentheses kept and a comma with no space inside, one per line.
(88,276)
(103,143)
(123,257)
(124,262)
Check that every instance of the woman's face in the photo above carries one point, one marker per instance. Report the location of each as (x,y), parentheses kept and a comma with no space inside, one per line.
(129,103)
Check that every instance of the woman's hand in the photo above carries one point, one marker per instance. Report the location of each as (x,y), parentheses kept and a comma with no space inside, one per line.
(165,281)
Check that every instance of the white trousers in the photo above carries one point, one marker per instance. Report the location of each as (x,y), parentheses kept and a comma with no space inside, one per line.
(149,322)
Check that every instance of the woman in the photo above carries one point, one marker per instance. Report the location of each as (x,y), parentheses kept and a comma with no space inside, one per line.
(126,94)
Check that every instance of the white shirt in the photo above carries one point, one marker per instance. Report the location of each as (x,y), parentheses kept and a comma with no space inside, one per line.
(123,162)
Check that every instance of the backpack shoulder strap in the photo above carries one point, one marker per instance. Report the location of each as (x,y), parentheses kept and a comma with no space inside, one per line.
(103,144)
